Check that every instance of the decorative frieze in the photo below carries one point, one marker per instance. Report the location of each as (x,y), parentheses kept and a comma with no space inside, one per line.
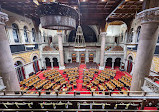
(3,18)
(149,15)
(103,34)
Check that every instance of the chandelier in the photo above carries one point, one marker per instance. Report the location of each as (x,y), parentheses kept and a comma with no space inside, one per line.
(56,16)
(79,39)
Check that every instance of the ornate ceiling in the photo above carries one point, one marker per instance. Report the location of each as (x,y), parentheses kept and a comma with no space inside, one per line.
(93,12)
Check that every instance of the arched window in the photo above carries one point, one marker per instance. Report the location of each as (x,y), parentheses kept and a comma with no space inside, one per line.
(33,34)
(138,33)
(20,70)
(15,31)
(36,64)
(131,35)
(26,34)
(130,64)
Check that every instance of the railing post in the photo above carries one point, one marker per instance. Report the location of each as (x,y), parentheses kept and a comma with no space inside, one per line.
(143,104)
(110,93)
(128,93)
(74,93)
(39,93)
(4,92)
(56,92)
(22,92)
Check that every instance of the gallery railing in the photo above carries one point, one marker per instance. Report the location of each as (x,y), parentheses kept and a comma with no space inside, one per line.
(150,84)
(77,93)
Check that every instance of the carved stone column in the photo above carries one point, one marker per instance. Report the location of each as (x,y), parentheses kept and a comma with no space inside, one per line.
(103,36)
(52,65)
(148,37)
(7,70)
(113,64)
(61,66)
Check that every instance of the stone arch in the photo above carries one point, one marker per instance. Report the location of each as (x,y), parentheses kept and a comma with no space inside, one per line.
(55,61)
(48,62)
(138,32)
(88,32)
(129,64)
(32,55)
(117,62)
(109,62)
(131,54)
(15,59)
(19,66)
(120,35)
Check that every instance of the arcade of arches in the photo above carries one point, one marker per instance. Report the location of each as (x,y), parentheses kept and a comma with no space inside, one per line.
(117,38)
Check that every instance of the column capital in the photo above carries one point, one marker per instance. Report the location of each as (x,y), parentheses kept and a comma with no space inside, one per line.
(149,15)
(103,33)
(59,33)
(3,18)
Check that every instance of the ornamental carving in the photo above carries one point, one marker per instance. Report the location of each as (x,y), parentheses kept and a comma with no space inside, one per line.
(103,34)
(3,18)
(149,15)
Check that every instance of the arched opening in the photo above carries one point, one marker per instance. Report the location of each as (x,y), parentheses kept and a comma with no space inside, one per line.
(26,34)
(130,64)
(131,35)
(48,63)
(73,58)
(91,57)
(35,64)
(82,58)
(33,34)
(15,32)
(50,39)
(117,62)
(116,40)
(138,33)
(116,30)
(55,62)
(108,63)
(88,32)
(20,70)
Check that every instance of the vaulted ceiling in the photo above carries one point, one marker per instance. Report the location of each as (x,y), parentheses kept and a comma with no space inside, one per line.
(93,12)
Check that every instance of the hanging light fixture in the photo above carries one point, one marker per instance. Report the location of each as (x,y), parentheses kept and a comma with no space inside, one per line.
(56,16)
(79,39)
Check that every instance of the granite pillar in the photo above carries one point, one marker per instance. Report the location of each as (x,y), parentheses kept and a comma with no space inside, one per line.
(148,37)
(7,70)
(61,66)
(103,36)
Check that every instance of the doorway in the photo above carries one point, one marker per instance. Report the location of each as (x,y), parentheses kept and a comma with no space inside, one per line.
(82,58)
(73,58)
(55,62)
(91,57)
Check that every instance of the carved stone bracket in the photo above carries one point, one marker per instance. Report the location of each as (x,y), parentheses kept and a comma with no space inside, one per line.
(3,18)
(149,15)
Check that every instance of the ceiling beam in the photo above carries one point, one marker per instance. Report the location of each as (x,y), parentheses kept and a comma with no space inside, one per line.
(113,10)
